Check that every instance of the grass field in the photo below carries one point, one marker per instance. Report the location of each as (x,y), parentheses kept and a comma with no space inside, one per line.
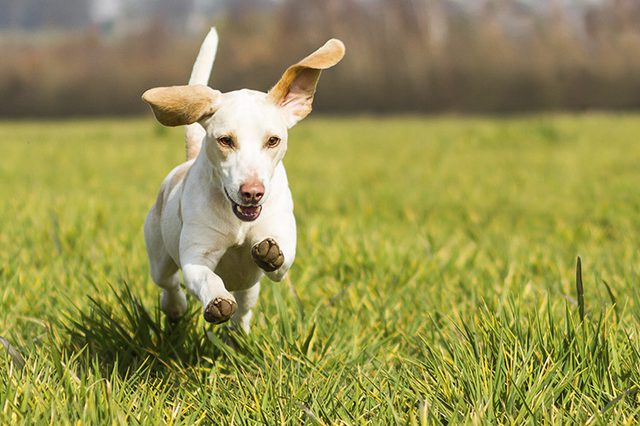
(435,280)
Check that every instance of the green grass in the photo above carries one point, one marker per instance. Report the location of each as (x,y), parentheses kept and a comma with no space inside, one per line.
(435,280)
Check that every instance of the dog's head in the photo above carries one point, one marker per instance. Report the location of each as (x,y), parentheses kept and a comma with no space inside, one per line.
(246,129)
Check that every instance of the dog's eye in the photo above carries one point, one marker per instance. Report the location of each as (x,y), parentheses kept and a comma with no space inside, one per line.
(273,142)
(225,141)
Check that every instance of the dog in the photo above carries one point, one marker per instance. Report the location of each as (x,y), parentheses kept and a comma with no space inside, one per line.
(225,216)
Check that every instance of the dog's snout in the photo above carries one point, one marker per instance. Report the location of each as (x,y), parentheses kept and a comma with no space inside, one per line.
(252,191)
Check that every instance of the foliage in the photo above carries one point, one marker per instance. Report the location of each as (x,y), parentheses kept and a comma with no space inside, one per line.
(402,55)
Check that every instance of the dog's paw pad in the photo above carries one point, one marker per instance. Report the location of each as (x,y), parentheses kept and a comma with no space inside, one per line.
(219,310)
(267,255)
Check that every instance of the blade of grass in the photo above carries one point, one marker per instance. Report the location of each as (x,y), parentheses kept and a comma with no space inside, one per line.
(580,288)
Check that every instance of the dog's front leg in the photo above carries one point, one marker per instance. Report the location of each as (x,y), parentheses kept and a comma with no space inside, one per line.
(197,268)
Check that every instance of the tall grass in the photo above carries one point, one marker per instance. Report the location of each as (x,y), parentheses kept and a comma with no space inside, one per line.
(435,282)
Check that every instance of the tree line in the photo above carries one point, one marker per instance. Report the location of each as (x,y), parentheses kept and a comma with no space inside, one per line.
(402,56)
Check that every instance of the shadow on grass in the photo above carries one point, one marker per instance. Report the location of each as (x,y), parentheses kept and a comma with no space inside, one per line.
(125,335)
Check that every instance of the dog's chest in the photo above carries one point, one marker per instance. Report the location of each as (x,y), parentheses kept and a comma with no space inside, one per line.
(237,269)
(239,236)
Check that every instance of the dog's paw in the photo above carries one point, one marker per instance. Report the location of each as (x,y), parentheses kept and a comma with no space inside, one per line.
(219,310)
(267,255)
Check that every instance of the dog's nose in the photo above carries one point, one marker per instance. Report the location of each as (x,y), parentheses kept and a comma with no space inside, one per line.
(252,191)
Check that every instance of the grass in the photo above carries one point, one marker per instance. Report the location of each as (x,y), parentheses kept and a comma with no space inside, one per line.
(435,280)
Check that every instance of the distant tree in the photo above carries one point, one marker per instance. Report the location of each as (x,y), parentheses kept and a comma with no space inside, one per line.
(37,14)
(175,13)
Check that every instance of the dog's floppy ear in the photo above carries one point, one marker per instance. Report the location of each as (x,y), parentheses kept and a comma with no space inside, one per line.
(294,92)
(179,105)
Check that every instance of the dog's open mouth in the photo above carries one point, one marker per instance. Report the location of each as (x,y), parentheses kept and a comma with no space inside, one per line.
(244,213)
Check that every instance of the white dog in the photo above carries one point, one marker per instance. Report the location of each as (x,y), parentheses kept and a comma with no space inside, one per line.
(225,217)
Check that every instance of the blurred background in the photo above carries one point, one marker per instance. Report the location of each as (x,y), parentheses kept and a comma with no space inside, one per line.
(95,57)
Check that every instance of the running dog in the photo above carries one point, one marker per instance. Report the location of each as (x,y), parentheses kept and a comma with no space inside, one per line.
(225,216)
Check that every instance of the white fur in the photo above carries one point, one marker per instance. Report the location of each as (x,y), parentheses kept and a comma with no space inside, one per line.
(196,230)
(197,223)
(200,74)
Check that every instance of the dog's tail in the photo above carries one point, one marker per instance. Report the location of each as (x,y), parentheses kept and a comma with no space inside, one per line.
(200,74)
